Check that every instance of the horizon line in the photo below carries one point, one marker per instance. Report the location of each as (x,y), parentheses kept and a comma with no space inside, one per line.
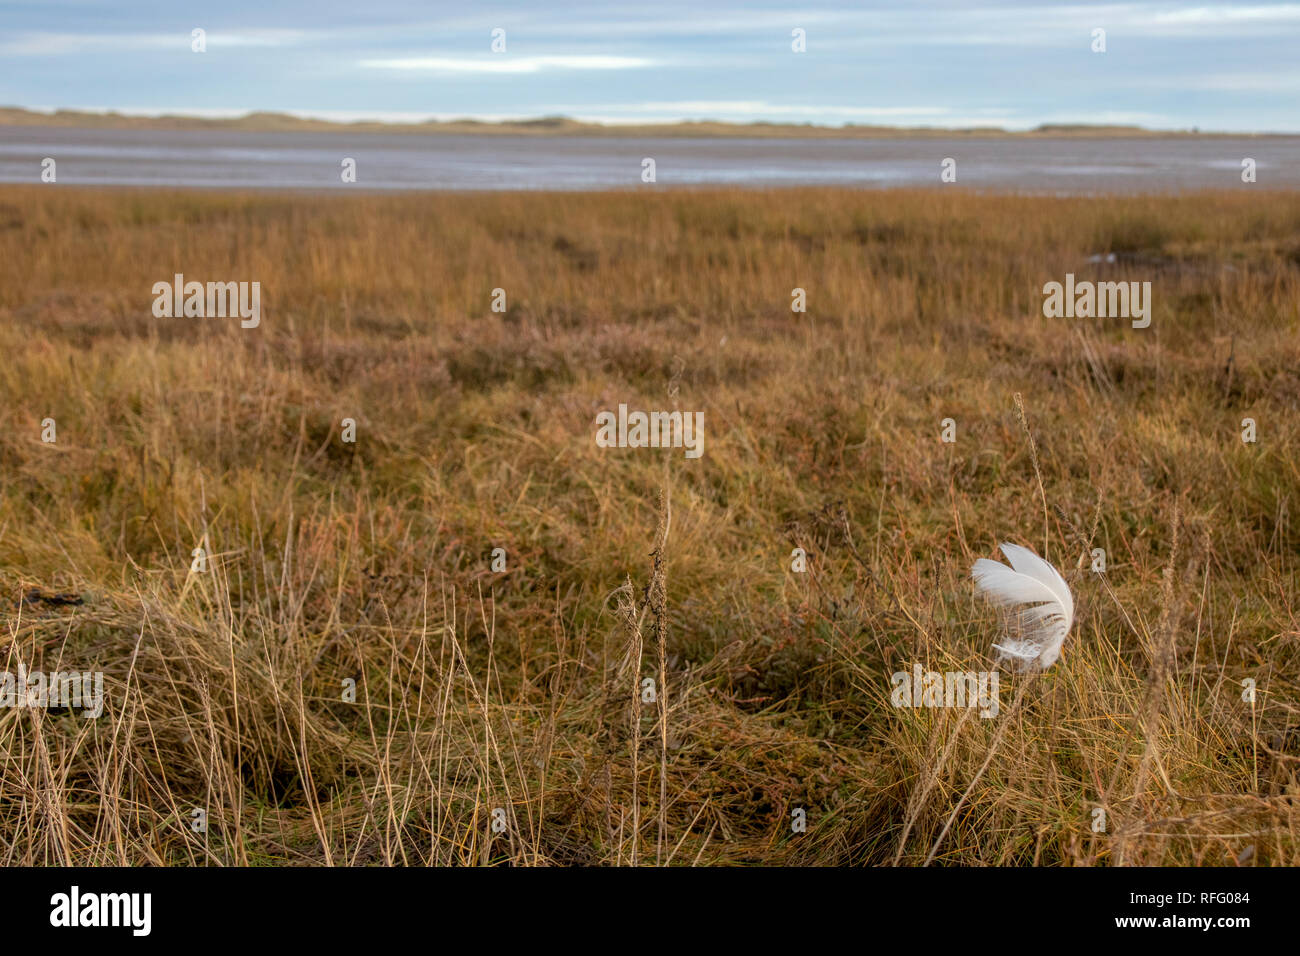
(290,120)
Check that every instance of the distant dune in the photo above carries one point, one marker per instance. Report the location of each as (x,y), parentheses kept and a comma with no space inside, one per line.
(560,126)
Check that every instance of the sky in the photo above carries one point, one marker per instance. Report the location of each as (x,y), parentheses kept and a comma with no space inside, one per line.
(1214,66)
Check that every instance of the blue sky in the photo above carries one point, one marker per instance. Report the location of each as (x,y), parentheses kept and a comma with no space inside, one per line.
(1219,66)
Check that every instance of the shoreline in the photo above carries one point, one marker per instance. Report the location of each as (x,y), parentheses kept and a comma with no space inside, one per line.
(563,127)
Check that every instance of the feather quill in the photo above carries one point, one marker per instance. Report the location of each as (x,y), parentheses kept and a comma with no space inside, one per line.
(1041,606)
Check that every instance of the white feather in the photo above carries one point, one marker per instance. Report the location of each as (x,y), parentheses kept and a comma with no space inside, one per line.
(1043,608)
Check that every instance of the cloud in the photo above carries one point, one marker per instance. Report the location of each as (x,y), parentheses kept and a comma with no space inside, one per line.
(501,63)
(997,62)
(1246,82)
(65,44)
(762,108)
(843,26)
(1216,15)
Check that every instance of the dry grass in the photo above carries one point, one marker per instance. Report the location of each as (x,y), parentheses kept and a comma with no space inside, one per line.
(522,691)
